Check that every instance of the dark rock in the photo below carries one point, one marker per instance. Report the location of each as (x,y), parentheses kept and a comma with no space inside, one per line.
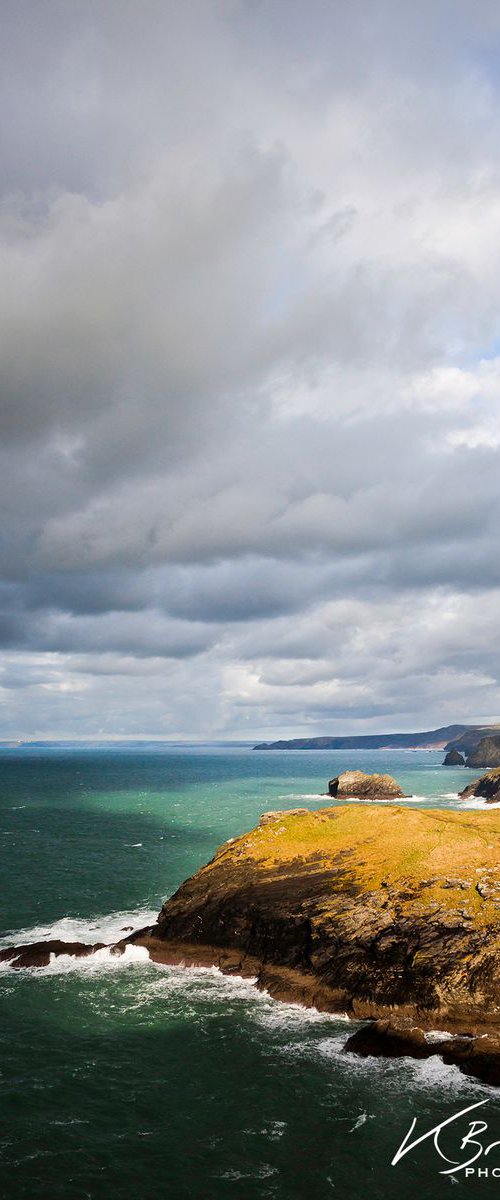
(352,784)
(487,788)
(479,1057)
(486,754)
(454,759)
(389,1040)
(476,1056)
(37,954)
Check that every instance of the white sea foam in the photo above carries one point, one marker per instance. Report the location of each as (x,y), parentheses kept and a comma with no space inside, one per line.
(100,960)
(361,1120)
(107,928)
(478,803)
(278,1014)
(389,800)
(209,984)
(427,1075)
(305,796)
(430,1073)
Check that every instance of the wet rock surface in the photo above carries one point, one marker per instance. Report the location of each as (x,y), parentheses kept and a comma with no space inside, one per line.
(487,788)
(38,954)
(475,1056)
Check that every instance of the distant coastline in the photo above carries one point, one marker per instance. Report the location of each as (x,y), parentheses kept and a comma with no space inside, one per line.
(461,737)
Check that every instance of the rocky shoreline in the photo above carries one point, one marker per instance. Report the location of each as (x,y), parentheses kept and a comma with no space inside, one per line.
(388,914)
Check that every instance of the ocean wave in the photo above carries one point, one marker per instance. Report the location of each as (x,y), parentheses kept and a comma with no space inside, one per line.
(388,800)
(107,928)
(430,1074)
(305,796)
(100,960)
(280,1015)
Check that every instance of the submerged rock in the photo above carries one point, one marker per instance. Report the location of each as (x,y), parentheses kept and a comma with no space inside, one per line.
(356,783)
(486,788)
(454,759)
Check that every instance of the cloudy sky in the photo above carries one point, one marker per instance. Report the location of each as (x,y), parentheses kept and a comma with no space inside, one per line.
(250,359)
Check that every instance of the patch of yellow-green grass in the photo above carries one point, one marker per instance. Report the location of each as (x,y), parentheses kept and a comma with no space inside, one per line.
(388,844)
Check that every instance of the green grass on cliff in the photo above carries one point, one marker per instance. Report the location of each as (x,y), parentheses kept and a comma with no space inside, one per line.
(387,845)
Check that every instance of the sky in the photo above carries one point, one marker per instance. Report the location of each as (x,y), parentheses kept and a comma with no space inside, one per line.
(250,360)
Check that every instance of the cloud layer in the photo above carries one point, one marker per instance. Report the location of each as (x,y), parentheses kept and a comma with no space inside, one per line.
(250,367)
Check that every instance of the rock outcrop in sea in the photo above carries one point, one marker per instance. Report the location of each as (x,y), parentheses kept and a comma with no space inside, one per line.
(454,759)
(486,788)
(357,784)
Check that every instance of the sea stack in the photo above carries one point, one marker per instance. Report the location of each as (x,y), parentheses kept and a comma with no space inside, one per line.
(357,785)
(454,759)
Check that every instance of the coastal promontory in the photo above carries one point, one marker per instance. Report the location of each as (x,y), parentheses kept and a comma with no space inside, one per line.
(486,754)
(380,911)
(386,913)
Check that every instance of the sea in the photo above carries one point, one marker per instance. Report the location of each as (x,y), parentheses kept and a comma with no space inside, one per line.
(125,1080)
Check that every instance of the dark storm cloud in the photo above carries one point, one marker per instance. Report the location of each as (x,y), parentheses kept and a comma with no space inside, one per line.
(249,365)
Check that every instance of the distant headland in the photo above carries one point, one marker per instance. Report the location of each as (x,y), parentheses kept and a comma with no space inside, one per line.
(464,738)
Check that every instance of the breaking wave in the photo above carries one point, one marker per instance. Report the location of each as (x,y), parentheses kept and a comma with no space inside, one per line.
(108,928)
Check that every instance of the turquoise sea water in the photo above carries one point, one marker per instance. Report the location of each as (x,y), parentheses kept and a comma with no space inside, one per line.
(124,1079)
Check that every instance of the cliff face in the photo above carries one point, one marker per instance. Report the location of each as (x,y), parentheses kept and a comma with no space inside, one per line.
(487,753)
(374,910)
(469,741)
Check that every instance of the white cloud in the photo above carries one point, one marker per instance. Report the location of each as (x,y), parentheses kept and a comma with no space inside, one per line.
(250,369)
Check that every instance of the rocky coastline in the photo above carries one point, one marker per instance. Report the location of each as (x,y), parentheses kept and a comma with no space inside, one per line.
(388,914)
(486,788)
(486,753)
